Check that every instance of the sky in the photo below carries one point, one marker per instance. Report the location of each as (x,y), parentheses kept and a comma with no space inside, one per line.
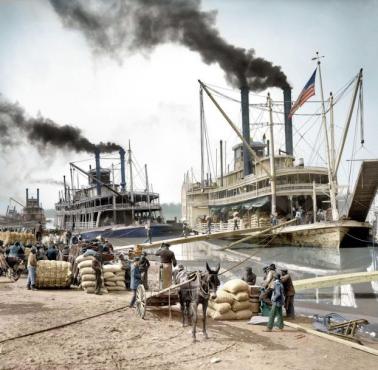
(152,99)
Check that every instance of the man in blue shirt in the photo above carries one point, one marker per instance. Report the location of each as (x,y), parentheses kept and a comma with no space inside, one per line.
(278,300)
(135,280)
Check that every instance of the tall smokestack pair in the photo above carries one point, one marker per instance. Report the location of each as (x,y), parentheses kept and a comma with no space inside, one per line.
(244,91)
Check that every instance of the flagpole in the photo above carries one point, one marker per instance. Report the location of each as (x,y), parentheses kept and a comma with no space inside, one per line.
(271,152)
(332,193)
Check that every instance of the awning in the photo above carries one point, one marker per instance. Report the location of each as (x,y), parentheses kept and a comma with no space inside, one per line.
(256,203)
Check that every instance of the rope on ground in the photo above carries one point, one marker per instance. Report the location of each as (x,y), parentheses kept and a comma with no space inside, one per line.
(62,325)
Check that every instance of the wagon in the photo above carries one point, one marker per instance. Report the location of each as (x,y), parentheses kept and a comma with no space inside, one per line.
(156,295)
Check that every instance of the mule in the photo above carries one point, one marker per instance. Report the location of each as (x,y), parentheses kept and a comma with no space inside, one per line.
(195,292)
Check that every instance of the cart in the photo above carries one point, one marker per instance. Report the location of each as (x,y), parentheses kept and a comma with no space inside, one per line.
(156,296)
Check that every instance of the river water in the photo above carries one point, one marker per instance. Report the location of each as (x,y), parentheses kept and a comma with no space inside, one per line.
(351,300)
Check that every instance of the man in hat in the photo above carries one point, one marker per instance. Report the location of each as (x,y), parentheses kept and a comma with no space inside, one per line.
(289,293)
(167,259)
(249,277)
(144,265)
(278,299)
(268,284)
(135,280)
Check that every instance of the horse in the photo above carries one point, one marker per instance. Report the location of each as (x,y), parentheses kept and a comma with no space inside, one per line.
(198,290)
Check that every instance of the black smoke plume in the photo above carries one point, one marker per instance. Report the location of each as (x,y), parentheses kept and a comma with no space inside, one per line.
(114,27)
(42,132)
(47,181)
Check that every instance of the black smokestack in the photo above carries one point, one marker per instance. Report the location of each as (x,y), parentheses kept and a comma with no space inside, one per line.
(43,133)
(288,122)
(120,26)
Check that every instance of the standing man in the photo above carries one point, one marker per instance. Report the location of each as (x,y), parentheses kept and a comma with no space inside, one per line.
(135,280)
(249,277)
(97,267)
(208,219)
(268,284)
(278,299)
(38,232)
(236,219)
(289,292)
(32,269)
(148,233)
(167,259)
(144,265)
(52,253)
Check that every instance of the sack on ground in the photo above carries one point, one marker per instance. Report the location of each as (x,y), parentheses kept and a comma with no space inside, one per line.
(115,288)
(86,263)
(236,285)
(243,315)
(224,297)
(91,290)
(121,284)
(215,315)
(220,307)
(87,284)
(87,270)
(110,283)
(88,277)
(108,274)
(241,296)
(240,306)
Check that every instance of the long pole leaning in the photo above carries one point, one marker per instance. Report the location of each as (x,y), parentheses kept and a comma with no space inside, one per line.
(271,152)
(233,126)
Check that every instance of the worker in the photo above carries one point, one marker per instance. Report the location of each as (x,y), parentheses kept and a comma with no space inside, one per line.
(68,237)
(52,253)
(97,267)
(32,268)
(185,230)
(39,231)
(268,284)
(249,277)
(167,259)
(236,220)
(278,299)
(208,219)
(125,262)
(289,292)
(135,280)
(144,265)
(148,233)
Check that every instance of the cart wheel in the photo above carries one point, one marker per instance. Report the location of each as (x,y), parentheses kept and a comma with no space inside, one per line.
(141,301)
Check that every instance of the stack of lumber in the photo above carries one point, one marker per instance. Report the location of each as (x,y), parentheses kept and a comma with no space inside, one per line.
(53,274)
(114,277)
(87,274)
(232,302)
(10,237)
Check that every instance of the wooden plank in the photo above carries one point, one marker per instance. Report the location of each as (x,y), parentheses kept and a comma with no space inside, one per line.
(194,238)
(335,280)
(332,338)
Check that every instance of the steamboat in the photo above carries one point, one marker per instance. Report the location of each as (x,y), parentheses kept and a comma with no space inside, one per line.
(267,186)
(106,207)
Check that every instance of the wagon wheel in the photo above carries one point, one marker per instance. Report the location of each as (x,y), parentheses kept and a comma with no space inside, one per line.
(141,301)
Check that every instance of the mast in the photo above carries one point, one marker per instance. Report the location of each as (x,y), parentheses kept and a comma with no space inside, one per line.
(271,155)
(202,144)
(332,134)
(131,183)
(147,190)
(114,197)
(332,193)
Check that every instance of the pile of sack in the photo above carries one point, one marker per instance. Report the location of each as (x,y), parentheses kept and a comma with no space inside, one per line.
(87,274)
(10,237)
(232,302)
(114,277)
(53,274)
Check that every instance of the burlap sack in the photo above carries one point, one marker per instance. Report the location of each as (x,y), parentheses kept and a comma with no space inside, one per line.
(220,307)
(224,297)
(240,306)
(108,274)
(236,285)
(241,296)
(215,315)
(115,288)
(86,263)
(112,268)
(81,258)
(243,315)
(91,290)
(53,274)
(87,270)
(110,283)
(121,284)
(88,277)
(87,284)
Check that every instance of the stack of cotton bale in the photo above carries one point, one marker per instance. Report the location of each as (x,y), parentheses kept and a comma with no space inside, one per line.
(232,302)
(87,274)
(53,274)
(114,277)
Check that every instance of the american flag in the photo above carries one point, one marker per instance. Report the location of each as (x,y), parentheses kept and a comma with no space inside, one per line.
(306,93)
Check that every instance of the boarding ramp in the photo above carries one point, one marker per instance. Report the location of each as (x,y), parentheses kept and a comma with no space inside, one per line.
(364,191)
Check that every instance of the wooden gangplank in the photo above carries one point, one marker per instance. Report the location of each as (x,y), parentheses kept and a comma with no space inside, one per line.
(364,191)
(335,280)
(196,238)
